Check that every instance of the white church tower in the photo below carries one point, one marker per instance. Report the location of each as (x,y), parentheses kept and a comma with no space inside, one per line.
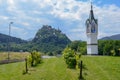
(92,33)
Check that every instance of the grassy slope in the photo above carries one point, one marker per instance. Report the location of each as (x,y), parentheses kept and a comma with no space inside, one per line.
(96,68)
(50,69)
(101,68)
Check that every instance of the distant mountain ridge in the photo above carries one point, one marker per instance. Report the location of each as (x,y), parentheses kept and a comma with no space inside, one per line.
(15,44)
(5,39)
(113,37)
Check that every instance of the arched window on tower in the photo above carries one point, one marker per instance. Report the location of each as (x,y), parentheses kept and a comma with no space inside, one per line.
(93,30)
(87,27)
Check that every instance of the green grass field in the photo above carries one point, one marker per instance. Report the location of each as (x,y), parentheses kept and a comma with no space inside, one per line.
(95,68)
(101,68)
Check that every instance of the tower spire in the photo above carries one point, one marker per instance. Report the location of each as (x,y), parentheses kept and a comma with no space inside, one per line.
(91,16)
(91,6)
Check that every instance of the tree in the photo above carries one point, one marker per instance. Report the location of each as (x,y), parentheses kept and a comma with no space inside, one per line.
(109,47)
(113,52)
(69,56)
(34,58)
(78,47)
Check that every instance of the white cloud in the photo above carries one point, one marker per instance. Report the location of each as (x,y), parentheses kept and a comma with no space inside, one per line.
(37,12)
(77,30)
(17,31)
(24,0)
(4,17)
(11,5)
(69,14)
(21,32)
(26,24)
(0,1)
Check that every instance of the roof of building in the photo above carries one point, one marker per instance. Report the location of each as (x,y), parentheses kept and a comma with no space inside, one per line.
(91,16)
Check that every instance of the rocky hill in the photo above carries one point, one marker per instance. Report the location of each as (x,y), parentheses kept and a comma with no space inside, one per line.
(49,39)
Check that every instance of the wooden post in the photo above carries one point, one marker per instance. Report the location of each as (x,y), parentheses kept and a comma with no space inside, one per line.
(32,59)
(26,68)
(81,70)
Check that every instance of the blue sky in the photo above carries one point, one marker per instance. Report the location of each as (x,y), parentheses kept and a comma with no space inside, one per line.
(67,15)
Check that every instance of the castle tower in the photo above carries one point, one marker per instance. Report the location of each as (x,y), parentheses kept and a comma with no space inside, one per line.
(92,33)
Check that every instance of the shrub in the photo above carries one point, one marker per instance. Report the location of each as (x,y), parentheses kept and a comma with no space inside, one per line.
(71,62)
(34,58)
(69,56)
(77,60)
(50,54)
(113,53)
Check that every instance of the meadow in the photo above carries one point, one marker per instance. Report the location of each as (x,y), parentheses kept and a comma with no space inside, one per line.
(13,55)
(95,68)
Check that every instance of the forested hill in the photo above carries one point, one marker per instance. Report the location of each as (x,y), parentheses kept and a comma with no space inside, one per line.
(49,39)
(5,38)
(113,37)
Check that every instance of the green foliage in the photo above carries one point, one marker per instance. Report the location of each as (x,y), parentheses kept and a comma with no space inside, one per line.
(113,52)
(50,54)
(78,47)
(71,62)
(74,45)
(73,52)
(78,60)
(34,58)
(16,44)
(109,47)
(69,56)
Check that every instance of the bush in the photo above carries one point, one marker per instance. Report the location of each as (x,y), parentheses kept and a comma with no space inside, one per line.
(113,53)
(50,54)
(71,61)
(34,58)
(77,60)
(69,56)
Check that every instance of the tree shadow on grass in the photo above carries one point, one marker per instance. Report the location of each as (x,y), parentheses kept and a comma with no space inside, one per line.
(81,78)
